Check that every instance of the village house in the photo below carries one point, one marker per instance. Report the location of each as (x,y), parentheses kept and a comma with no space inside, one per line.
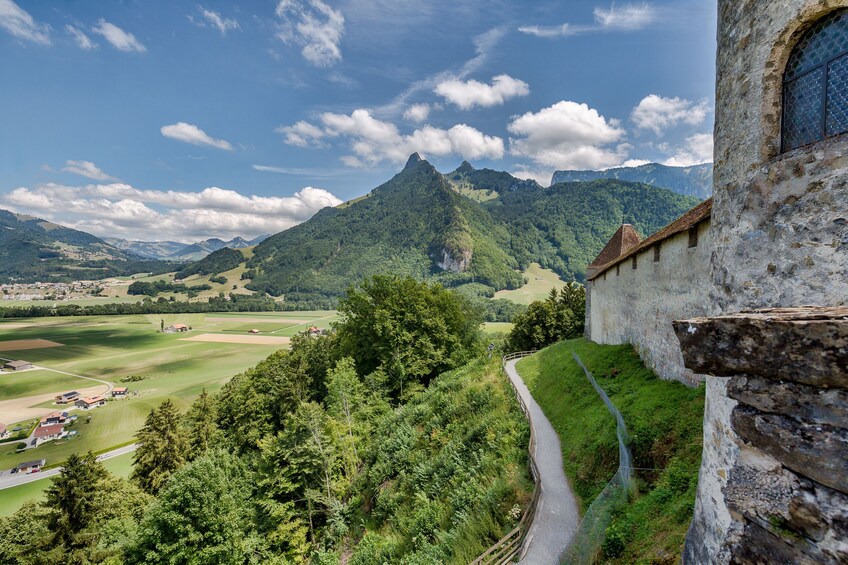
(67,397)
(29,466)
(18,365)
(43,434)
(253,331)
(90,402)
(4,432)
(120,392)
(54,418)
(176,328)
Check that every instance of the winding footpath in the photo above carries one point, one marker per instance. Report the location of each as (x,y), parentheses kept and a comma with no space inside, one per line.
(557,516)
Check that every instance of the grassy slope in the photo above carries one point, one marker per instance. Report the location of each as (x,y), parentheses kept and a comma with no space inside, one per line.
(664,420)
(30,383)
(539,284)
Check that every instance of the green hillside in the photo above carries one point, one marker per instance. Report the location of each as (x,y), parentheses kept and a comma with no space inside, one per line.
(32,249)
(470,227)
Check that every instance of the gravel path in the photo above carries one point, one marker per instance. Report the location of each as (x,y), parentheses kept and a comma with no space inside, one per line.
(557,516)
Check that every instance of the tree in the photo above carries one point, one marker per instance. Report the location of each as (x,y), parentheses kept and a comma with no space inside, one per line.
(345,397)
(201,426)
(161,450)
(411,329)
(560,316)
(72,498)
(204,515)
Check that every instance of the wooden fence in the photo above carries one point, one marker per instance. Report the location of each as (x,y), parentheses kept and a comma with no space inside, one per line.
(510,546)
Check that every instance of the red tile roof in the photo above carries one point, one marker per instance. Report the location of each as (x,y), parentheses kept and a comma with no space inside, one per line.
(688,220)
(624,239)
(53,430)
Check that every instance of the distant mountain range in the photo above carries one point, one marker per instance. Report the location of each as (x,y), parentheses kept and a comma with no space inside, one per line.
(696,180)
(176,251)
(470,229)
(32,249)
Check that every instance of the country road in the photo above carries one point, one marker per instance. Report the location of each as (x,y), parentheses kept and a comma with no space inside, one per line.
(9,480)
(557,516)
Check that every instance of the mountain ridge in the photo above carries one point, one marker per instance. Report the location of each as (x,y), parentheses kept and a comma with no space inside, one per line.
(695,180)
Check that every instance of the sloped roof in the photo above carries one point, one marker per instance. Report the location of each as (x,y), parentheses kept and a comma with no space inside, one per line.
(44,431)
(624,239)
(690,219)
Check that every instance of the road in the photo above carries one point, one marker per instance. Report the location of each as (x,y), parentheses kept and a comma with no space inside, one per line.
(557,516)
(9,480)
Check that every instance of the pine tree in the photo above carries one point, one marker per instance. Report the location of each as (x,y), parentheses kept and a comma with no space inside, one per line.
(202,426)
(72,498)
(161,450)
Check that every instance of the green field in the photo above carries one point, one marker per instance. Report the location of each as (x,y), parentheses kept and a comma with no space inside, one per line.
(11,499)
(29,383)
(539,284)
(112,348)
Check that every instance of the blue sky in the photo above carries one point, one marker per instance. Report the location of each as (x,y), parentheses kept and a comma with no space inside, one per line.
(176,120)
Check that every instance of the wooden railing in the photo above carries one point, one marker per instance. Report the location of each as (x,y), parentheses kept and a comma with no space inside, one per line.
(509,546)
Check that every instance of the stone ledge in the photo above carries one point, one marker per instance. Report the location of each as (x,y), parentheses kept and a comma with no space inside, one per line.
(822,406)
(807,345)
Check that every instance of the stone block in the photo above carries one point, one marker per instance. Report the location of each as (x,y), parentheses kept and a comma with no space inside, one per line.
(821,406)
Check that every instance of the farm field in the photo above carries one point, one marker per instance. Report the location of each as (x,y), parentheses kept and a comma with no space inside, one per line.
(112,348)
(539,283)
(11,499)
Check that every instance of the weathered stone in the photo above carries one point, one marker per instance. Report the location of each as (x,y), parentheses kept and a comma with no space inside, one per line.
(823,406)
(761,547)
(804,345)
(818,451)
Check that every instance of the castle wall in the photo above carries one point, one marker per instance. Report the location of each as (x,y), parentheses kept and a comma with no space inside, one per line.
(638,305)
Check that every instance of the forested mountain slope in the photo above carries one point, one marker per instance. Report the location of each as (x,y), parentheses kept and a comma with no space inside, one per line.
(696,180)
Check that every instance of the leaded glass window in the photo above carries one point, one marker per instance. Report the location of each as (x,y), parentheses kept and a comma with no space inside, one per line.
(815,84)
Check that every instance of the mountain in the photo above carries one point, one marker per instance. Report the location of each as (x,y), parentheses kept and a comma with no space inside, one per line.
(486,184)
(32,249)
(149,249)
(696,180)
(419,224)
(201,249)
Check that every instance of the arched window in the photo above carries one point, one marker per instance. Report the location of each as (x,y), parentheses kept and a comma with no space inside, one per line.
(815,84)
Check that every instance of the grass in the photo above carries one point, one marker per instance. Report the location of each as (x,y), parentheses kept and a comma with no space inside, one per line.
(114,347)
(11,499)
(30,383)
(664,420)
(497,327)
(539,284)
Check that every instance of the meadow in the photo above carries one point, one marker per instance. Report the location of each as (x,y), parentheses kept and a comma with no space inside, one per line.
(130,351)
(539,284)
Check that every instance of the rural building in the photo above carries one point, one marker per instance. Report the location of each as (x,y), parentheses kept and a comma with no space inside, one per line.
(30,466)
(18,365)
(43,434)
(314,330)
(176,328)
(120,392)
(4,432)
(90,402)
(54,418)
(253,331)
(636,288)
(67,397)
(773,484)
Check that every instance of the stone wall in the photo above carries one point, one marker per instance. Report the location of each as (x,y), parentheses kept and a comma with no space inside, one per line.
(785,486)
(637,306)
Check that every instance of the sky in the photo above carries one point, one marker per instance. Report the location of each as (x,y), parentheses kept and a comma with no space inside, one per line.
(158,120)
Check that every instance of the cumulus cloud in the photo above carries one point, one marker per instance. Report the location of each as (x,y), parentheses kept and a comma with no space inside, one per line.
(120,39)
(190,133)
(467,94)
(119,209)
(698,149)
(21,24)
(82,40)
(658,114)
(374,141)
(417,113)
(216,20)
(627,17)
(315,26)
(86,169)
(568,135)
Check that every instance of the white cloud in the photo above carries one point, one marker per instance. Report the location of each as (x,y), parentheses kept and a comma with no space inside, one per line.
(86,169)
(628,17)
(190,133)
(697,150)
(83,41)
(216,20)
(374,141)
(21,24)
(417,113)
(542,176)
(315,26)
(467,94)
(121,210)
(634,163)
(120,39)
(568,135)
(658,114)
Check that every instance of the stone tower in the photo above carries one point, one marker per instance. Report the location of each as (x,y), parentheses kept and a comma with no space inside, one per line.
(780,239)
